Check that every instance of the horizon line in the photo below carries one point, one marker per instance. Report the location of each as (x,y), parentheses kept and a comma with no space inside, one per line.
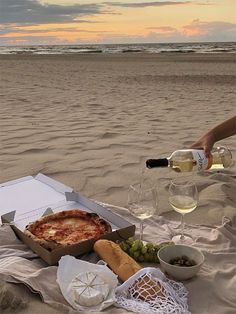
(137,43)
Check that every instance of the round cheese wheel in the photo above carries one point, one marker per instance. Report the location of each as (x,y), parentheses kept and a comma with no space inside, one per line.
(89,289)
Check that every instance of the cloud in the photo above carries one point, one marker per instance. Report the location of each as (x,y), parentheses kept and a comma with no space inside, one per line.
(30,40)
(210,29)
(17,17)
(163,29)
(33,12)
(27,30)
(195,31)
(145,4)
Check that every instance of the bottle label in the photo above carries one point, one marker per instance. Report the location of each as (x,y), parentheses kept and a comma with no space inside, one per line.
(203,163)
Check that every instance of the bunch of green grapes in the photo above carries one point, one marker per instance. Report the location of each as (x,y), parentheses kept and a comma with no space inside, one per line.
(141,252)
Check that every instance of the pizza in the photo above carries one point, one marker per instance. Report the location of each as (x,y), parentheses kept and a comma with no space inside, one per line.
(66,228)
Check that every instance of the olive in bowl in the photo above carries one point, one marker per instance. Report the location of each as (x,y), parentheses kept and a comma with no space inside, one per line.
(180,261)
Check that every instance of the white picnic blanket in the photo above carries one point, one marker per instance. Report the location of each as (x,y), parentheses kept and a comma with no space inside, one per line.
(212,291)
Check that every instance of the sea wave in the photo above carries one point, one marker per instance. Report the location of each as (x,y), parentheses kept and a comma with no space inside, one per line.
(229,47)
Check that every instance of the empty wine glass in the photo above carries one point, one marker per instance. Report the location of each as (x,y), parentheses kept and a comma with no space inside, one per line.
(142,202)
(183,197)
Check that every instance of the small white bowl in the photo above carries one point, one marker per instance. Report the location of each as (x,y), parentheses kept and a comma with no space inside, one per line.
(166,253)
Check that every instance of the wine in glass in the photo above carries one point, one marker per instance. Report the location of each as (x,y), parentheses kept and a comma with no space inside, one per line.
(142,202)
(183,197)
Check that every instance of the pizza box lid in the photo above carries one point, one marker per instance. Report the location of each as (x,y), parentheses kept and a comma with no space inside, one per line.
(26,199)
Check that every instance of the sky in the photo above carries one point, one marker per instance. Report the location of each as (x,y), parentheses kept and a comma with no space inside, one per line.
(53,22)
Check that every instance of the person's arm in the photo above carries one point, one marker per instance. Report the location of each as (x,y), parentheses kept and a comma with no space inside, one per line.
(219,132)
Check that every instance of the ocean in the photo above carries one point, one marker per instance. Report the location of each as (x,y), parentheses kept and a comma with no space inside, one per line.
(217,47)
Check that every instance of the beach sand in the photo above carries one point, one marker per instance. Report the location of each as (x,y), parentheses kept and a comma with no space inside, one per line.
(91,121)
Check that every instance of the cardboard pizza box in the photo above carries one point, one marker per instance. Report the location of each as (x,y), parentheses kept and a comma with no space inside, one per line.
(26,199)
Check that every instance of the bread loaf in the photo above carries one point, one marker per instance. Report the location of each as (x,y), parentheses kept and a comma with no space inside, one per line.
(120,263)
(146,289)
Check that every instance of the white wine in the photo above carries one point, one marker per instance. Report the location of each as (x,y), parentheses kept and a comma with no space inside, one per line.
(142,212)
(187,160)
(182,203)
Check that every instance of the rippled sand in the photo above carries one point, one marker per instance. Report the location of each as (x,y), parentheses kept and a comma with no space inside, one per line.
(91,121)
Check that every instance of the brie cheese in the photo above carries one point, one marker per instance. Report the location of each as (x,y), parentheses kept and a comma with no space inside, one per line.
(89,289)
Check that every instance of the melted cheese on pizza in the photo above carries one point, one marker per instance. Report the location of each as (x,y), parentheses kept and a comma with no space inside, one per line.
(68,230)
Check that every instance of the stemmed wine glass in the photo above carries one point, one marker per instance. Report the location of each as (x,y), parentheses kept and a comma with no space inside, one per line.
(183,197)
(142,202)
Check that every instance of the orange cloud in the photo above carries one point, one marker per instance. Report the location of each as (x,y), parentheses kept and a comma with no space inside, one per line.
(196,28)
(163,29)
(70,33)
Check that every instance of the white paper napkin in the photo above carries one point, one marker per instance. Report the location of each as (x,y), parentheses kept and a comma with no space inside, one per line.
(69,267)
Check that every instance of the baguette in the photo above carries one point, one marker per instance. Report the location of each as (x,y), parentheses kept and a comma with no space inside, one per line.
(120,262)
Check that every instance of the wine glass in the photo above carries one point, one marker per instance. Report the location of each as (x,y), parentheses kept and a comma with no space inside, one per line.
(142,202)
(183,197)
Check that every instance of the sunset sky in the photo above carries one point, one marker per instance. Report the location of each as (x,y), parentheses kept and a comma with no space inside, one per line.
(40,22)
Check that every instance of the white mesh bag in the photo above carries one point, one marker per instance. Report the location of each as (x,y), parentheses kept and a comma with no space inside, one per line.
(150,291)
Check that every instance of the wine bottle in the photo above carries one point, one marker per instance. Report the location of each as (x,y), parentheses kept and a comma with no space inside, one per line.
(194,159)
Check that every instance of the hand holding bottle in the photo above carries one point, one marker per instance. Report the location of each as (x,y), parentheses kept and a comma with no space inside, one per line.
(206,143)
(201,155)
(219,132)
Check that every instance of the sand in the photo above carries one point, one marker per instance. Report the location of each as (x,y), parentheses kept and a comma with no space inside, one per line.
(91,121)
